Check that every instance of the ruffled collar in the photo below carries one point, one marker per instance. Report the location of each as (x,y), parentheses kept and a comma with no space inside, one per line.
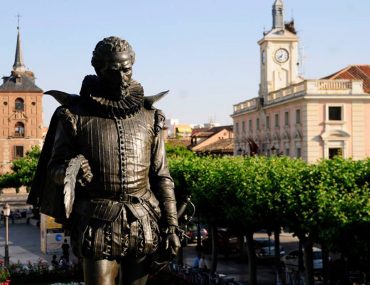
(125,107)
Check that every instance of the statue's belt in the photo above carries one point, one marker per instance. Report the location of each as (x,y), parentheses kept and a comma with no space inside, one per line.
(108,210)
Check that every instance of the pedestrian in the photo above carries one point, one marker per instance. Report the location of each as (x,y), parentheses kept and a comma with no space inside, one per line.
(65,249)
(63,263)
(54,262)
(203,263)
(197,260)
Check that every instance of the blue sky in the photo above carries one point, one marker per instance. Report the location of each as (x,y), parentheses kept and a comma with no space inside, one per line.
(204,51)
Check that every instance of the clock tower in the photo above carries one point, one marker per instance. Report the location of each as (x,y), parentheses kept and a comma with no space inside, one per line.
(279,53)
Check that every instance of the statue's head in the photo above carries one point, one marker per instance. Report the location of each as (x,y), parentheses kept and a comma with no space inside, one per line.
(113,59)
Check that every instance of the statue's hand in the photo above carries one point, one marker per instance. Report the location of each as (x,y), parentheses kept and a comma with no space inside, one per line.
(85,175)
(172,241)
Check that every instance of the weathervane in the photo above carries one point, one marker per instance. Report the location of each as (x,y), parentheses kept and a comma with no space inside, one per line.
(18,16)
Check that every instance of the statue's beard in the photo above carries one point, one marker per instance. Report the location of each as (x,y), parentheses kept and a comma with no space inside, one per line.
(116,90)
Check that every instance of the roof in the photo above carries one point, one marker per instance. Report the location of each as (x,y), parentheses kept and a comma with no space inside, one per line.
(220,146)
(20,79)
(203,134)
(26,83)
(287,34)
(207,132)
(198,130)
(178,142)
(354,72)
(220,128)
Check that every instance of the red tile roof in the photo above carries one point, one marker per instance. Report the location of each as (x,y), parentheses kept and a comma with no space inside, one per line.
(185,142)
(225,146)
(207,132)
(203,134)
(359,72)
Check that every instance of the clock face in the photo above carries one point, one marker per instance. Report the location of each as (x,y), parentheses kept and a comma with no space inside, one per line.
(281,55)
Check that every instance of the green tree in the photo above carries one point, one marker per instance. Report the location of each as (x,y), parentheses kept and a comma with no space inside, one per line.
(210,181)
(23,170)
(344,208)
(326,203)
(328,199)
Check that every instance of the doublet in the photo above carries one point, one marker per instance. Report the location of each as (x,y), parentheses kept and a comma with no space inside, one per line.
(131,193)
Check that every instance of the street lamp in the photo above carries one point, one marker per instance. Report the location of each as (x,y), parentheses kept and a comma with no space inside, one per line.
(6,211)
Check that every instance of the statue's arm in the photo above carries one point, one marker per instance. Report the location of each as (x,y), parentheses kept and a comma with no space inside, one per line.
(64,149)
(164,187)
(162,182)
(62,152)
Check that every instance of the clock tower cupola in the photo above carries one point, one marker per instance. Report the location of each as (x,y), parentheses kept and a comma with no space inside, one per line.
(277,15)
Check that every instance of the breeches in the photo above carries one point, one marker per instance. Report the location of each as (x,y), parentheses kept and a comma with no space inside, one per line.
(128,271)
(126,234)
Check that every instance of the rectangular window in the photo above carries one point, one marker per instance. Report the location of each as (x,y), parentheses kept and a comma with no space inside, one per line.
(243,127)
(286,118)
(299,152)
(335,113)
(18,151)
(250,126)
(257,123)
(267,122)
(287,151)
(335,151)
(298,116)
(237,128)
(276,120)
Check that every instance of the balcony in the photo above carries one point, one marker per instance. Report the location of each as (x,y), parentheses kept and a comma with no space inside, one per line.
(316,87)
(245,106)
(17,135)
(304,88)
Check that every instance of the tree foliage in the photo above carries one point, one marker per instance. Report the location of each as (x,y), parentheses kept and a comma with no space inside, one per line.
(23,170)
(326,203)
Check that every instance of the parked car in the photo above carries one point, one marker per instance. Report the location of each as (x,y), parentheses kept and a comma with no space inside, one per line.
(227,243)
(266,247)
(291,259)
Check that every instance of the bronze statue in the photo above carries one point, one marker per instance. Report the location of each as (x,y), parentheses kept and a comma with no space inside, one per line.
(103,172)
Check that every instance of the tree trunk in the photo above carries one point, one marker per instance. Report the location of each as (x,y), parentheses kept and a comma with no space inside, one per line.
(214,255)
(277,254)
(241,246)
(199,236)
(252,267)
(325,263)
(277,247)
(300,256)
(308,263)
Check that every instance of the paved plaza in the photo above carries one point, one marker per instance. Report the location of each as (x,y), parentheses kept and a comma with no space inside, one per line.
(24,243)
(24,247)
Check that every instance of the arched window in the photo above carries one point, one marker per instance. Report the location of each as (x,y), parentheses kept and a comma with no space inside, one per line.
(19,129)
(19,104)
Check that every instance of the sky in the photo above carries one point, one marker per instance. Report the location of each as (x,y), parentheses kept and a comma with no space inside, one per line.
(204,51)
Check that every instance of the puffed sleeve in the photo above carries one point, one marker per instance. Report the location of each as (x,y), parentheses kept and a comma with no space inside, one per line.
(161,181)
(64,148)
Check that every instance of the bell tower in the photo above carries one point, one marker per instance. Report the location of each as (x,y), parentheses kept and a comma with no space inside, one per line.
(21,124)
(279,53)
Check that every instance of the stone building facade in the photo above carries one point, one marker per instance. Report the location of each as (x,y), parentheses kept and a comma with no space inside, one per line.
(311,119)
(21,125)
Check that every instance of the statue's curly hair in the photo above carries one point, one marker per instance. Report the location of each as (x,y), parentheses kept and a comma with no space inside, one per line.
(108,46)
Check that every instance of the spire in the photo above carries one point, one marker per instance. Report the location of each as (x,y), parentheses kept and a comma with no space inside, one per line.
(278,15)
(18,62)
